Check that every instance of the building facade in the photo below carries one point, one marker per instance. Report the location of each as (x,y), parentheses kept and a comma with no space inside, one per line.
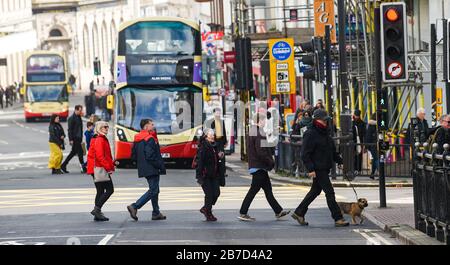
(17,35)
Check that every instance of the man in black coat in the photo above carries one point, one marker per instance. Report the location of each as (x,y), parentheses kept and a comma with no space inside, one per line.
(147,154)
(260,162)
(442,133)
(359,132)
(75,132)
(318,155)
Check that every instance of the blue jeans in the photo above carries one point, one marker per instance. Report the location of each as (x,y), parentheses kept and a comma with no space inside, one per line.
(151,194)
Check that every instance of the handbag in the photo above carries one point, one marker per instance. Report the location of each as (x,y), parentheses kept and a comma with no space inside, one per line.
(100,174)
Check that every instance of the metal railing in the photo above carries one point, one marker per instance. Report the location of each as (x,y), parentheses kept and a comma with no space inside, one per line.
(398,162)
(431,182)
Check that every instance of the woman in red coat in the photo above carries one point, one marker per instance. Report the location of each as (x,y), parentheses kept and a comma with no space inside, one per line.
(99,156)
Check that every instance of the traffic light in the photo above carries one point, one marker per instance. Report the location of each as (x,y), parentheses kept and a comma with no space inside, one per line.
(447,47)
(244,69)
(312,60)
(97,67)
(394,47)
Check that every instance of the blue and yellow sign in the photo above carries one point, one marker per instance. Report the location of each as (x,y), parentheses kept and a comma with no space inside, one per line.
(282,68)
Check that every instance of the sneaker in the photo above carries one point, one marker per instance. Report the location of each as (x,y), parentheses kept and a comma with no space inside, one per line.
(158,217)
(299,219)
(246,218)
(282,214)
(341,223)
(133,212)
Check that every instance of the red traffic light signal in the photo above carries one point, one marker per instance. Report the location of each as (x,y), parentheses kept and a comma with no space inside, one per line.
(394,49)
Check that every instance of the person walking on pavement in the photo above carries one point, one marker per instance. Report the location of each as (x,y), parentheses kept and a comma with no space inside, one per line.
(75,132)
(146,152)
(208,172)
(359,131)
(101,166)
(318,155)
(2,93)
(260,162)
(56,142)
(371,140)
(221,140)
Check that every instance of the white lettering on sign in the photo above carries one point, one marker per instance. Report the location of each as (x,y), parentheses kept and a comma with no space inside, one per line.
(282,66)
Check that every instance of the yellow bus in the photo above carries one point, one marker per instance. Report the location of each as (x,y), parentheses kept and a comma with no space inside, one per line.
(157,68)
(46,88)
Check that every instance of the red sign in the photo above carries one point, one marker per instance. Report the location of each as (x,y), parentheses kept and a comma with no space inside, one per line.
(229,57)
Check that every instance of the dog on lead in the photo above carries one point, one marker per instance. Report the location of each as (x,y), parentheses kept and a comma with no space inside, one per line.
(354,209)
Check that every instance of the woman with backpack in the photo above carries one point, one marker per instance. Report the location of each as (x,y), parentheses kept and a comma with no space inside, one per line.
(56,142)
(207,172)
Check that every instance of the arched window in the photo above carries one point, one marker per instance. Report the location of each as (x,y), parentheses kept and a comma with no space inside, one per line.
(55,33)
(113,35)
(105,48)
(87,56)
(95,41)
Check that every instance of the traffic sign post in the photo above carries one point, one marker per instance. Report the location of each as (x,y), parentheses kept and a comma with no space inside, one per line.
(282,69)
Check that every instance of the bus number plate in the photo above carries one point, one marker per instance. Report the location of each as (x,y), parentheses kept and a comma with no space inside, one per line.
(165,155)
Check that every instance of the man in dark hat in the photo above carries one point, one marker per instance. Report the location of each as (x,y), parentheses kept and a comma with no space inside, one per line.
(359,132)
(318,155)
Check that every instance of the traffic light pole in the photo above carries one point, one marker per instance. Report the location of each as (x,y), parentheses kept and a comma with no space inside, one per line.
(342,53)
(380,96)
(329,80)
(446,65)
(433,68)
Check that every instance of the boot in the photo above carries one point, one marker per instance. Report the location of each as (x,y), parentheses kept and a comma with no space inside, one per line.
(98,215)
(210,217)
(204,211)
(64,169)
(53,171)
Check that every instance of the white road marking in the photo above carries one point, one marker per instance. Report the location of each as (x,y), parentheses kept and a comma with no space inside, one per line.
(105,240)
(4,125)
(3,142)
(43,237)
(372,237)
(159,241)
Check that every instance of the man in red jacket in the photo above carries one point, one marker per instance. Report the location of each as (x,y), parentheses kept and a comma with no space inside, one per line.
(146,152)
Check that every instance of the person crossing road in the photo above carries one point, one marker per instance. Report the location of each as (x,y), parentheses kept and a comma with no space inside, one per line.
(75,132)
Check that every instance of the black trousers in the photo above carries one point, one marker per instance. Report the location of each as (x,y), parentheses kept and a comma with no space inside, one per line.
(358,161)
(76,150)
(211,188)
(260,180)
(320,182)
(104,192)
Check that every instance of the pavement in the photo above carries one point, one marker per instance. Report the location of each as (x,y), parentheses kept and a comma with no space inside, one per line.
(397,219)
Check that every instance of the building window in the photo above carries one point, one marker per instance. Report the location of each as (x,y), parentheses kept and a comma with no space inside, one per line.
(55,33)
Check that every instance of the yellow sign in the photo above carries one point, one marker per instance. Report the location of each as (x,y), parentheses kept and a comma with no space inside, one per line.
(282,70)
(324,15)
(438,112)
(110,102)
(438,95)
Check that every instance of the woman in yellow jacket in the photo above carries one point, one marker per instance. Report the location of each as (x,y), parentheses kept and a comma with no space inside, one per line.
(56,142)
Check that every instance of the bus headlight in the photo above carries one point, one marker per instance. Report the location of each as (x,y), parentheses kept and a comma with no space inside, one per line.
(121,135)
(199,133)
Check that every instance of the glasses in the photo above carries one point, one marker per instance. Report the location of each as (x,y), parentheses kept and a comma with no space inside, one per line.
(105,127)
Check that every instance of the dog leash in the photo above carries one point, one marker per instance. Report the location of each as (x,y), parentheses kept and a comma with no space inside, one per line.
(351,185)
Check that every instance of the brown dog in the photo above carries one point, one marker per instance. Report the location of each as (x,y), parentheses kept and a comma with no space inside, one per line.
(354,209)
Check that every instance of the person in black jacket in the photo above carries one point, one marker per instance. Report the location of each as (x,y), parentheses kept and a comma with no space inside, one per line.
(260,162)
(371,141)
(318,155)
(208,172)
(442,133)
(221,140)
(422,125)
(146,152)
(359,131)
(75,132)
(56,142)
